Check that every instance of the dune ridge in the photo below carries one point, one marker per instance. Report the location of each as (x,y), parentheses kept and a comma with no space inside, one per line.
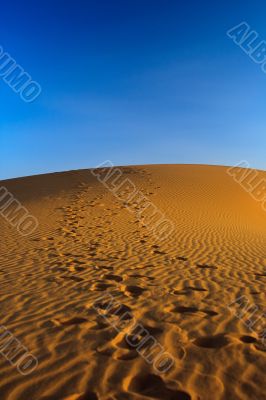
(88,244)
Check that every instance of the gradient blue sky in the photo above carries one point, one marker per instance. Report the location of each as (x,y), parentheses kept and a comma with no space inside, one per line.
(133,81)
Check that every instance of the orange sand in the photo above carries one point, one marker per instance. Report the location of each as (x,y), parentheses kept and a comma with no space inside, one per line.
(89,244)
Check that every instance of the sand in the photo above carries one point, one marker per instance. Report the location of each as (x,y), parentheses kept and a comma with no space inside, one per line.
(89,244)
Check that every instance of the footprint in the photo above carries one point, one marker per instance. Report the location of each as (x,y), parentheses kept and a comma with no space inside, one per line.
(112,277)
(248,339)
(153,386)
(205,266)
(134,290)
(212,342)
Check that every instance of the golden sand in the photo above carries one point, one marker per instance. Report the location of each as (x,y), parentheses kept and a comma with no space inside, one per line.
(89,244)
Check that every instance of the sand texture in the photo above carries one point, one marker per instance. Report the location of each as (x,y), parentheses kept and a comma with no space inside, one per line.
(89,244)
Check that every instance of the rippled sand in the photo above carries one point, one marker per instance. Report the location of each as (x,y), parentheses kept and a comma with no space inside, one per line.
(89,244)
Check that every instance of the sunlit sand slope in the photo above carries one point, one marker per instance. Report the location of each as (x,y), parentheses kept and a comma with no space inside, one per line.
(90,243)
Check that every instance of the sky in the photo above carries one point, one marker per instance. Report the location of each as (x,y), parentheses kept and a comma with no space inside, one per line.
(131,81)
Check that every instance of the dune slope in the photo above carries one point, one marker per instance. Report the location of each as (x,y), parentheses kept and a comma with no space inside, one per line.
(181,288)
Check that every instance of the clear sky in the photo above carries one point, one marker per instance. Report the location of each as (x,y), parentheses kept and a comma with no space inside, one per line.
(132,81)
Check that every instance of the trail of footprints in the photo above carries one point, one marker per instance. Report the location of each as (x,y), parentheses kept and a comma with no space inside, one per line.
(73,267)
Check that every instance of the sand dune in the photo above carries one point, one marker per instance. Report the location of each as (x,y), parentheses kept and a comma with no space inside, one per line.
(89,244)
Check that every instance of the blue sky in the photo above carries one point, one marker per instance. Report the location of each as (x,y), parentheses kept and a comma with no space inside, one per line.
(132,81)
